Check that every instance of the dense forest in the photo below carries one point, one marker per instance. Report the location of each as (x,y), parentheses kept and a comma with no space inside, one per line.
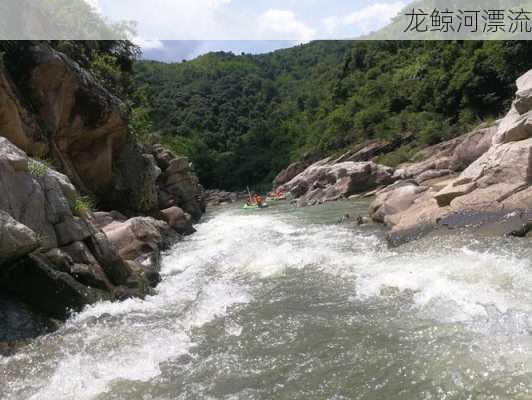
(242,118)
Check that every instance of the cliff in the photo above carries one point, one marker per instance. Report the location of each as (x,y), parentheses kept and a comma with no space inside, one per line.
(65,143)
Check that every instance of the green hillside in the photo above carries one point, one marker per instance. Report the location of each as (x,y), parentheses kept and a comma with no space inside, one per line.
(243,118)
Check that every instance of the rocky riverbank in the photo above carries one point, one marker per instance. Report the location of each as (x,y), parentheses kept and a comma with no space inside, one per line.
(66,148)
(479,179)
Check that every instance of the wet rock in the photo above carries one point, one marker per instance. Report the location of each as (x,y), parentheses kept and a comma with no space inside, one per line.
(179,220)
(38,283)
(107,256)
(141,239)
(18,322)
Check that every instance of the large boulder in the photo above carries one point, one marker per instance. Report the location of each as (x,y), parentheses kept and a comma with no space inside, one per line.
(41,284)
(178,220)
(328,181)
(394,199)
(141,240)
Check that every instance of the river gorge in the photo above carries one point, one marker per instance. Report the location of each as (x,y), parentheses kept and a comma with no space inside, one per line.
(286,303)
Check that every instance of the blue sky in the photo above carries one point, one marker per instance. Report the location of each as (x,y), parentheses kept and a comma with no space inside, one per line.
(250,26)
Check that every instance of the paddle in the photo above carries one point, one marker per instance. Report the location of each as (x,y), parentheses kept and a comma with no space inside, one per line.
(249,194)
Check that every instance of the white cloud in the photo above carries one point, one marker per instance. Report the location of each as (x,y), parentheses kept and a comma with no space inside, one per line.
(235,20)
(171,19)
(148,44)
(283,25)
(370,18)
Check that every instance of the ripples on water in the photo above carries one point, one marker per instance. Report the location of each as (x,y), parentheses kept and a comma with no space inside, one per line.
(283,304)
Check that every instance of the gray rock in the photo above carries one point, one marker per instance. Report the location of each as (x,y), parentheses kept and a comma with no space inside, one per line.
(325,181)
(16,239)
(39,284)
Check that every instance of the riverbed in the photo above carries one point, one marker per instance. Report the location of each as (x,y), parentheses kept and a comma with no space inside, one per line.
(287,303)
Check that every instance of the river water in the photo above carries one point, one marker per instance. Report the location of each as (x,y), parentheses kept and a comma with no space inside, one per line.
(286,303)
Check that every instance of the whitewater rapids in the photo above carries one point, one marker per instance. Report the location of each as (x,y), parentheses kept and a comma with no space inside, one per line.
(288,304)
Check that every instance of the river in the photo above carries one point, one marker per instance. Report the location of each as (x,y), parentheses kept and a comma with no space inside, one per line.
(286,303)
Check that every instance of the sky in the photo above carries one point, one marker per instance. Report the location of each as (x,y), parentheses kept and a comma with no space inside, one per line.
(250,26)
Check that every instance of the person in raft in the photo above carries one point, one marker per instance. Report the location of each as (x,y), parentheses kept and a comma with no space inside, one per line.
(258,200)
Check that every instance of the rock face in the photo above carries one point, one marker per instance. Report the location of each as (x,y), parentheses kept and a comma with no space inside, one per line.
(55,254)
(177,185)
(448,157)
(495,188)
(289,173)
(63,257)
(328,181)
(140,241)
(53,108)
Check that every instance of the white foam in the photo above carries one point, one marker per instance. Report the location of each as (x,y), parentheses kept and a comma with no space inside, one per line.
(221,265)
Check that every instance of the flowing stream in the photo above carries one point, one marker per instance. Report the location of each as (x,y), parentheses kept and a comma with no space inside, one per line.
(288,304)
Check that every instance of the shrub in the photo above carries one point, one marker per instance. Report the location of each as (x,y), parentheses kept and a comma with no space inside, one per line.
(37,168)
(82,206)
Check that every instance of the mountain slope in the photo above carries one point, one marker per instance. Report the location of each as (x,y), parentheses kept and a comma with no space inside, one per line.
(243,118)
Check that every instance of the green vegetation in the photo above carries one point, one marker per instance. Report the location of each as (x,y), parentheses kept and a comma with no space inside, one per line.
(82,206)
(38,168)
(241,119)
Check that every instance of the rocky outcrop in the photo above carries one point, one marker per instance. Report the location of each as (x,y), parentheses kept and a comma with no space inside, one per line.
(140,240)
(289,173)
(54,109)
(51,254)
(448,157)
(55,254)
(328,181)
(177,185)
(370,150)
(495,188)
